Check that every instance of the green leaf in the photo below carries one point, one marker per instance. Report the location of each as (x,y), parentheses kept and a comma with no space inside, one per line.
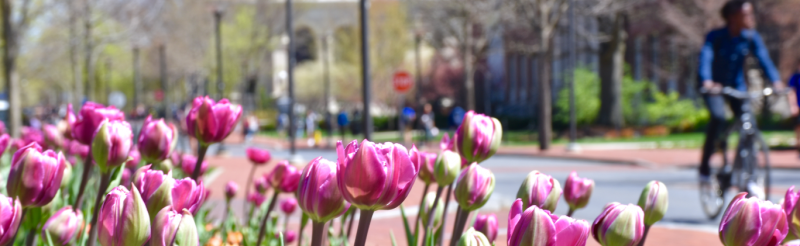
(116,178)
(411,237)
(438,233)
(391,235)
(49,238)
(280,239)
(430,241)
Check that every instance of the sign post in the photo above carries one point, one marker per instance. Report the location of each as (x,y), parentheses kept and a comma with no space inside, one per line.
(402,83)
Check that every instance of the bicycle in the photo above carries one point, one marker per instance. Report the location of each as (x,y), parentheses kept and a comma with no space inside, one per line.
(751,161)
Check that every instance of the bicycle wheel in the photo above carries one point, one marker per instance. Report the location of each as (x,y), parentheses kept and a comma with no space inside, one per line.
(712,198)
(759,170)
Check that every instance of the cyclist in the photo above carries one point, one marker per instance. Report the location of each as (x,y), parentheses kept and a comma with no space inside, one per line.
(722,64)
(794,104)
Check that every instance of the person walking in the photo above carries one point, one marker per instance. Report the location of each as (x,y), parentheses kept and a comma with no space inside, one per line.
(794,104)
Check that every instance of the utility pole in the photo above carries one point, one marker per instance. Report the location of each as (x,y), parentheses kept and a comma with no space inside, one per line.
(290,77)
(220,85)
(365,76)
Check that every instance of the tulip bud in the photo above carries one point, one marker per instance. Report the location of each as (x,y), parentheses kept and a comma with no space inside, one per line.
(135,158)
(67,176)
(10,216)
(446,143)
(318,194)
(79,149)
(487,224)
(256,198)
(156,140)
(447,168)
(474,187)
(654,200)
(126,177)
(186,194)
(52,137)
(535,226)
(478,137)
(577,191)
(749,221)
(63,226)
(427,162)
(173,226)
(123,219)
(540,190)
(35,176)
(473,238)
(189,162)
(284,178)
(258,156)
(230,190)
(375,176)
(5,140)
(288,236)
(211,122)
(155,188)
(32,135)
(262,184)
(792,214)
(427,202)
(91,116)
(65,125)
(288,205)
(619,225)
(111,145)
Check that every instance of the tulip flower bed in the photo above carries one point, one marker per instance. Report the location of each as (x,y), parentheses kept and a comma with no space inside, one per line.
(145,194)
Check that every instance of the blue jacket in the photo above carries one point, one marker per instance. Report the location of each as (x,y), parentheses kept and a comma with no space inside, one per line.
(722,57)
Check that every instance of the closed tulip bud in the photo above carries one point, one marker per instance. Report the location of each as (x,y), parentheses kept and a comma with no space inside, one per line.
(211,122)
(5,140)
(288,205)
(63,226)
(155,188)
(189,162)
(474,187)
(126,177)
(427,203)
(186,194)
(172,227)
(535,226)
(111,145)
(288,236)
(91,116)
(135,158)
(619,225)
(156,140)
(262,184)
(473,238)
(123,219)
(284,177)
(750,222)
(256,198)
(654,200)
(65,125)
(487,224)
(258,156)
(446,143)
(230,190)
(540,190)
(375,176)
(10,216)
(478,137)
(79,149)
(32,135)
(318,194)
(447,168)
(792,214)
(577,191)
(427,162)
(35,176)
(52,137)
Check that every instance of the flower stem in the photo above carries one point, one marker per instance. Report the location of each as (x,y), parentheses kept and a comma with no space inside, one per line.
(444,215)
(644,235)
(363,227)
(430,214)
(350,226)
(201,154)
(317,233)
(458,227)
(263,228)
(247,188)
(570,212)
(225,219)
(419,211)
(104,180)
(87,170)
(30,239)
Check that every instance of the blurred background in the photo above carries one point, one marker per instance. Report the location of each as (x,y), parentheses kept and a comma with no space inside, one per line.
(633,64)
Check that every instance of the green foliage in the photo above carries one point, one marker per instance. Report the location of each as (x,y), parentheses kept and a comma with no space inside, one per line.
(587,99)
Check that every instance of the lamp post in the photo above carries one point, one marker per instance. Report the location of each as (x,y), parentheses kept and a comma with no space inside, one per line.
(365,87)
(572,146)
(290,77)
(218,38)
(326,72)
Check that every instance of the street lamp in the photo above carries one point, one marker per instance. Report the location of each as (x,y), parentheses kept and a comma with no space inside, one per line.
(290,78)
(365,87)
(217,17)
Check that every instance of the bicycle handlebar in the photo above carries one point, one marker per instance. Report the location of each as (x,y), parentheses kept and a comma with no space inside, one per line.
(730,91)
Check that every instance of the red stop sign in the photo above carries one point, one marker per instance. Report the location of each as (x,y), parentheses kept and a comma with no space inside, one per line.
(402,81)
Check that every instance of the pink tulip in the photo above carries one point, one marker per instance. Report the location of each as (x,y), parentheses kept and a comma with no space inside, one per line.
(446,143)
(288,236)
(91,116)
(63,226)
(486,224)
(155,188)
(186,194)
(474,186)
(135,158)
(188,163)
(35,176)
(540,190)
(211,122)
(258,156)
(53,138)
(284,177)
(176,226)
(619,225)
(126,177)
(319,195)
(5,140)
(262,184)
(375,176)
(123,219)
(79,149)
(478,137)
(156,139)
(65,125)
(10,216)
(256,198)
(577,191)
(535,226)
(751,222)
(111,145)
(230,189)
(288,205)
(32,135)
(792,213)
(428,161)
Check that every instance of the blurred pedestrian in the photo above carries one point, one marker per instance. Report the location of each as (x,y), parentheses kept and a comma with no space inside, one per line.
(251,127)
(407,118)
(794,104)
(342,121)
(456,116)
(282,120)
(428,124)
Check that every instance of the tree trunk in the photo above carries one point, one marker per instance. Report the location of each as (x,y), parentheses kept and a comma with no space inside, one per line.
(73,57)
(469,73)
(137,79)
(612,63)
(9,59)
(88,63)
(545,102)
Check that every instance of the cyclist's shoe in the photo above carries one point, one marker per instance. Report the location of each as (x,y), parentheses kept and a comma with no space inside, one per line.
(755,190)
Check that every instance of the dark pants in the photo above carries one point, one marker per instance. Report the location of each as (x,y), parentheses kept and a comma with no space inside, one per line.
(717,125)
